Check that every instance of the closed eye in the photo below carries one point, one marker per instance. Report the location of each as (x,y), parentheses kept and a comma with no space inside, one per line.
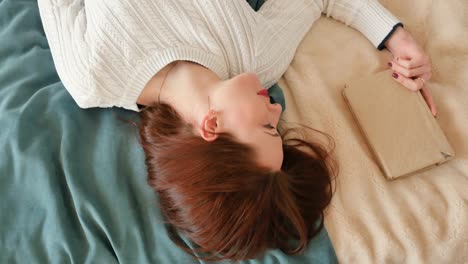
(270,127)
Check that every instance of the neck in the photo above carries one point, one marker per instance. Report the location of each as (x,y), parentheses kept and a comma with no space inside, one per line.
(186,87)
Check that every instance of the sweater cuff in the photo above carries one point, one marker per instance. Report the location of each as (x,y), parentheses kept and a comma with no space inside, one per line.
(382,44)
(375,22)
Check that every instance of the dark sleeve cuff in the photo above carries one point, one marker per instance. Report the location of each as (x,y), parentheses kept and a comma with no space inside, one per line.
(382,44)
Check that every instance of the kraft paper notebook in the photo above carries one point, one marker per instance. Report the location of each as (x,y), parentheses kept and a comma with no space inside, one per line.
(397,124)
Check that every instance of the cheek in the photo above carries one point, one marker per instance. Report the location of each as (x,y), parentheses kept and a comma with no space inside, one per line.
(239,117)
(241,108)
(240,120)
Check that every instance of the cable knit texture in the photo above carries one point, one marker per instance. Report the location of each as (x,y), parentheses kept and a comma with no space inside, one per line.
(106,51)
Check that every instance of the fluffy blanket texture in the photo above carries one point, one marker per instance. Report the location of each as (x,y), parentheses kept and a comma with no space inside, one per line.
(418,219)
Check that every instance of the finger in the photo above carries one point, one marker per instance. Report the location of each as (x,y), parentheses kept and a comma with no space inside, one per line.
(409,73)
(426,76)
(415,85)
(413,62)
(426,93)
(412,85)
(423,78)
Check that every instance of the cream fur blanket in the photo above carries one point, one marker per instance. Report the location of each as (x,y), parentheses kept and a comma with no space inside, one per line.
(418,219)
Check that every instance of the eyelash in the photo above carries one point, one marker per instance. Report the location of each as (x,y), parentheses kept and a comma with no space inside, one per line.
(269,126)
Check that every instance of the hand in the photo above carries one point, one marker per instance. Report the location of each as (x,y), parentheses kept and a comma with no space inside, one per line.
(411,65)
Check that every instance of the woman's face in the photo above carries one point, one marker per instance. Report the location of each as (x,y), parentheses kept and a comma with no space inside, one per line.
(244,110)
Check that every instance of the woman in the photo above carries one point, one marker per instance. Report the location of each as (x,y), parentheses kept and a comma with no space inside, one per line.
(226,178)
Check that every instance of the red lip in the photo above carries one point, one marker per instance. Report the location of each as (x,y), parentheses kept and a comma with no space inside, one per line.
(264,92)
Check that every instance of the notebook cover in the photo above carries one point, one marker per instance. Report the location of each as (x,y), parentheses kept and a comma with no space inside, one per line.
(397,124)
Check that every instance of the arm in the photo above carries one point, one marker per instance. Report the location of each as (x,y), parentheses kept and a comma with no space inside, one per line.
(367,16)
(64,23)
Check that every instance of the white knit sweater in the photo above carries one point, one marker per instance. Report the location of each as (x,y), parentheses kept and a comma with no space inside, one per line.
(105,51)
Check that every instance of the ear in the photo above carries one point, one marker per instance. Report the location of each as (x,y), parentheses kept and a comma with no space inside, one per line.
(209,127)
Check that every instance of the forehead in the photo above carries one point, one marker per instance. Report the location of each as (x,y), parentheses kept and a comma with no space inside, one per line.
(268,149)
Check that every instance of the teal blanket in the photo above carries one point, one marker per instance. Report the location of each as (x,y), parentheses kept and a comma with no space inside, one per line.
(73,182)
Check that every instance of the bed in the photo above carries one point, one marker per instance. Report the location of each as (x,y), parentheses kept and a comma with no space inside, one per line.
(73,183)
(419,219)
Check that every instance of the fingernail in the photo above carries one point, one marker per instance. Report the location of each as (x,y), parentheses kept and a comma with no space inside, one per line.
(389,64)
(395,75)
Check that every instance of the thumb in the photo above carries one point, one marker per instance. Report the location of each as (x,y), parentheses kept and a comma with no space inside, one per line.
(426,93)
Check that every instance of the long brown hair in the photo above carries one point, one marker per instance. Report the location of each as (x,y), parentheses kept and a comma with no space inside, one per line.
(217,196)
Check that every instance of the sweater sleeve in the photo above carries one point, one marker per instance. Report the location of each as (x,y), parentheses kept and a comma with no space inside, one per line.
(369,17)
(64,23)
